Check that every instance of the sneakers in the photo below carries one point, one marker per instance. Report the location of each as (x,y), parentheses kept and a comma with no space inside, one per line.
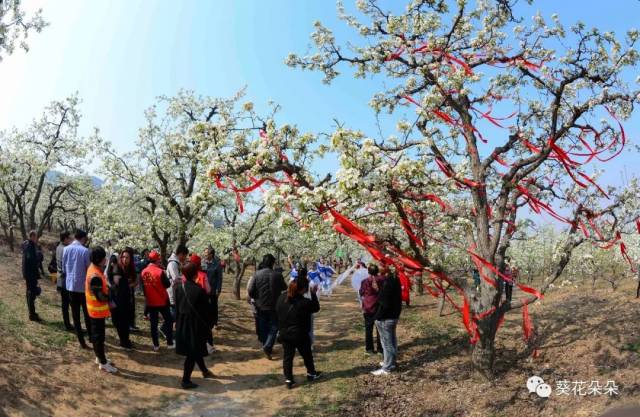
(108,361)
(108,368)
(380,372)
(313,377)
(210,349)
(208,375)
(171,346)
(369,353)
(134,329)
(394,366)
(35,318)
(156,348)
(188,385)
(290,384)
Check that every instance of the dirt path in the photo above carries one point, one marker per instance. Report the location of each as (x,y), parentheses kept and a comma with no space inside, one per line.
(43,371)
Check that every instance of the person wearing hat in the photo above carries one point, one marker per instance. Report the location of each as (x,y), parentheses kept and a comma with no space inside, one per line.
(155,284)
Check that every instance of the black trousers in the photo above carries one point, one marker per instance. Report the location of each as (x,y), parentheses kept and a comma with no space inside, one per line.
(31,297)
(121,318)
(289,351)
(369,325)
(78,301)
(508,291)
(97,339)
(189,363)
(167,326)
(132,308)
(65,303)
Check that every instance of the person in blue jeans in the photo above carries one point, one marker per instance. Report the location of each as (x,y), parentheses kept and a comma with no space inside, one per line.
(386,319)
(265,290)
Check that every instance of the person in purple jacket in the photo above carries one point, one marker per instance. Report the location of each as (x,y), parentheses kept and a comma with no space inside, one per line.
(369,290)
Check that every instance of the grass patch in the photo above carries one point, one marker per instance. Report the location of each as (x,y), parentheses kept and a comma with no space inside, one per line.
(9,322)
(632,347)
(46,335)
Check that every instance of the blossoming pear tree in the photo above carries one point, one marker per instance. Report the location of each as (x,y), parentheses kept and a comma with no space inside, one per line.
(40,167)
(164,179)
(15,26)
(498,122)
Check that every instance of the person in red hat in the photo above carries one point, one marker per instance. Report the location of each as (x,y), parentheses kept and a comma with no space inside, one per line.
(155,283)
(203,281)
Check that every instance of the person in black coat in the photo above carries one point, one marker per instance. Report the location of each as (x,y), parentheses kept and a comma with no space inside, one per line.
(265,289)
(193,324)
(31,273)
(119,274)
(386,317)
(294,324)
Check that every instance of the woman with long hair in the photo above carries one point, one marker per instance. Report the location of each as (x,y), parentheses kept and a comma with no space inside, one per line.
(294,321)
(193,325)
(120,272)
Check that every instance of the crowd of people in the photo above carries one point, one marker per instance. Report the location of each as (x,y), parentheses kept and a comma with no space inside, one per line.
(184,292)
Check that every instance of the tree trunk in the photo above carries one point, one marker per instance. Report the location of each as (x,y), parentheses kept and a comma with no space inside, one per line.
(441,303)
(483,354)
(420,282)
(163,250)
(11,239)
(237,280)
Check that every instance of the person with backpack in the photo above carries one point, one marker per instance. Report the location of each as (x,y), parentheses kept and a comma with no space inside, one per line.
(294,324)
(174,264)
(193,325)
(156,283)
(265,289)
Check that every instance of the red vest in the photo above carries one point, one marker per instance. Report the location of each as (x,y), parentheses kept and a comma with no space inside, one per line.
(154,292)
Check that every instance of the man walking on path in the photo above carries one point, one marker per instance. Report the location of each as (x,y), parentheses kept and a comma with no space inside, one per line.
(265,290)
(31,273)
(65,240)
(75,262)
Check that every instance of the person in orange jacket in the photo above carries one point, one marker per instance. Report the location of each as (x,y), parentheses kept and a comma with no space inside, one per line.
(97,295)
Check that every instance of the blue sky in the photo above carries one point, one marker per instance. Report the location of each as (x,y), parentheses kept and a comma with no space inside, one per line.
(119,55)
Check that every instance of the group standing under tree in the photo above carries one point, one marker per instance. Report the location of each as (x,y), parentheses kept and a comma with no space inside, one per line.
(184,294)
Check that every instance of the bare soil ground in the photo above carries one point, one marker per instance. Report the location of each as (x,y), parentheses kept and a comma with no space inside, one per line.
(584,335)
